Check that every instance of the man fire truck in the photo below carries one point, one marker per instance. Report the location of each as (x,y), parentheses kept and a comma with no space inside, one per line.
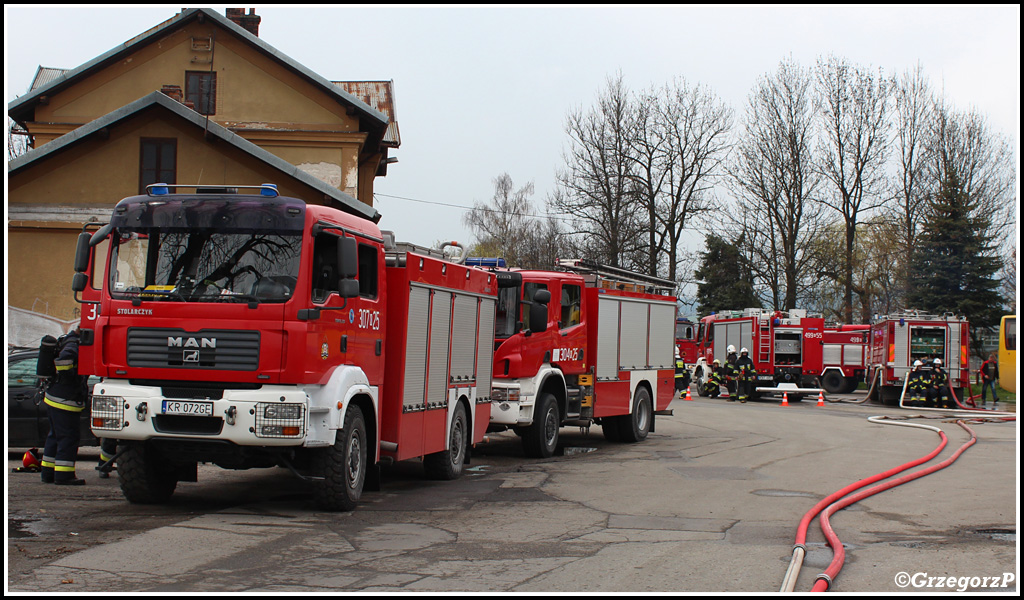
(844,357)
(785,347)
(899,339)
(254,330)
(585,344)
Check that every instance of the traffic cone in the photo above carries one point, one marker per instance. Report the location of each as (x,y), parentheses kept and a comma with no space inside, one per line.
(689,398)
(821,398)
(785,398)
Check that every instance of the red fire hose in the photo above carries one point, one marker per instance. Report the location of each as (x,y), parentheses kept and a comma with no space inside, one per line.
(824,581)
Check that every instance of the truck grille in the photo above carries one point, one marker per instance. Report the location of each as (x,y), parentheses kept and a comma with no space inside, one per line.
(230,350)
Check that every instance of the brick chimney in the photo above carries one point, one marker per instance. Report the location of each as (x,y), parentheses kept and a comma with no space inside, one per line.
(249,22)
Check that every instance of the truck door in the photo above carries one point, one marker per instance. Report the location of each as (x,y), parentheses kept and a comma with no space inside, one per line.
(569,348)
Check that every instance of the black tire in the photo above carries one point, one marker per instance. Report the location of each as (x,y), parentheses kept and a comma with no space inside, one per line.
(342,467)
(143,479)
(636,425)
(447,464)
(834,382)
(851,385)
(541,438)
(610,429)
(700,384)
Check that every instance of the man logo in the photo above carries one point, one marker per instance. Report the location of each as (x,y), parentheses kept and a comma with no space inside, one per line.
(190,356)
(177,342)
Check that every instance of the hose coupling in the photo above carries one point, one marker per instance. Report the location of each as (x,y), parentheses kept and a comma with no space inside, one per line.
(826,578)
(800,547)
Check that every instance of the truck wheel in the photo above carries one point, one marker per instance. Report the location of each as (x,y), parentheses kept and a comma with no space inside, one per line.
(610,429)
(637,425)
(447,464)
(342,467)
(834,382)
(143,479)
(700,384)
(541,438)
(851,384)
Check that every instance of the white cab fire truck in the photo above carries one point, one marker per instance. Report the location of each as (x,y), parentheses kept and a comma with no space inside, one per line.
(785,347)
(254,330)
(594,344)
(899,339)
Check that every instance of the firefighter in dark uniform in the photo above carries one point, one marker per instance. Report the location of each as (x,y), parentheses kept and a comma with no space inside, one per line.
(939,391)
(732,372)
(682,374)
(713,386)
(747,375)
(65,398)
(918,382)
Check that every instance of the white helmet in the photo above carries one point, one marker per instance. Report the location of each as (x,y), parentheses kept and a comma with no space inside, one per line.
(731,349)
(743,351)
(938,362)
(918,363)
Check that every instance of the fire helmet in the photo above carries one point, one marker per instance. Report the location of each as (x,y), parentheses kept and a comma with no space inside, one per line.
(731,349)
(743,351)
(918,363)
(938,362)
(31,459)
(717,362)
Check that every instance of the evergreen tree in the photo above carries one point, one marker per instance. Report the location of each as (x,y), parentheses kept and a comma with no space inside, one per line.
(954,265)
(725,281)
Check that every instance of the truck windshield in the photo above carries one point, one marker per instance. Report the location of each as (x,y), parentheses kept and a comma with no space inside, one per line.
(204,266)
(507,312)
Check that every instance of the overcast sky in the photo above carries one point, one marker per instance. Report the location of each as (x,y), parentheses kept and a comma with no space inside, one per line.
(485,90)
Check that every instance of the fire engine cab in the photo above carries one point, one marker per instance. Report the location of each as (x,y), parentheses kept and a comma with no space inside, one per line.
(785,347)
(844,357)
(254,330)
(584,344)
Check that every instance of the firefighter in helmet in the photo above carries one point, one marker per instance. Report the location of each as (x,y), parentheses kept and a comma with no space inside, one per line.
(65,398)
(682,374)
(713,385)
(917,384)
(939,392)
(732,372)
(747,375)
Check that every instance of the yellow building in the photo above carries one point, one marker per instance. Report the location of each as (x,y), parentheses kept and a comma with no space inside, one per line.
(198,99)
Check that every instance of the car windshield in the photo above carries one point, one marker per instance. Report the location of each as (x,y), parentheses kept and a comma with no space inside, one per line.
(205,266)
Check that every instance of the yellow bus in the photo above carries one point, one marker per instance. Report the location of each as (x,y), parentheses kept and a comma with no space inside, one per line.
(1008,353)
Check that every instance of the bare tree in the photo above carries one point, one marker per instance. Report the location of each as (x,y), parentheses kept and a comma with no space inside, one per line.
(912,116)
(17,140)
(503,223)
(597,188)
(696,127)
(774,178)
(854,115)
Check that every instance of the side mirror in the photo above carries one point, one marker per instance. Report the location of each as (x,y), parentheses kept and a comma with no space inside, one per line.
(79,282)
(83,252)
(348,258)
(348,288)
(539,311)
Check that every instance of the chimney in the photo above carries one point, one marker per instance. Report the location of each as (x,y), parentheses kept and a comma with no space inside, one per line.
(173,91)
(249,22)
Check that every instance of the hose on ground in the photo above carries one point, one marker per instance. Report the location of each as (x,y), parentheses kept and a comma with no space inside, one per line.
(824,580)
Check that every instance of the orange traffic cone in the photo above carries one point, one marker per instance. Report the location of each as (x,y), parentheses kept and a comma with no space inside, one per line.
(785,398)
(689,398)
(821,398)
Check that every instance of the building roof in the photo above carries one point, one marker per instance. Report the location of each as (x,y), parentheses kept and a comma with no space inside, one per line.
(381,96)
(343,201)
(51,82)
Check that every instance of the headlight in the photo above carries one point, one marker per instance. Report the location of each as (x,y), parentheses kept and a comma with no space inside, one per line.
(283,411)
(106,404)
(505,394)
(107,412)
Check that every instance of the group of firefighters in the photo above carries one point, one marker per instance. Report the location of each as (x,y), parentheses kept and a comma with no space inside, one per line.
(737,375)
(928,388)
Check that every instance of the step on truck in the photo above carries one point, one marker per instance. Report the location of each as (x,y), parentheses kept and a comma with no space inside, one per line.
(583,344)
(785,347)
(255,330)
(899,339)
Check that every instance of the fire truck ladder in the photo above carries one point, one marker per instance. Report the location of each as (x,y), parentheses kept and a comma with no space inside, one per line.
(764,340)
(650,283)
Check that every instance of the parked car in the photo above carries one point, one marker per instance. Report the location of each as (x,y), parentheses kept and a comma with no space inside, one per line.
(27,424)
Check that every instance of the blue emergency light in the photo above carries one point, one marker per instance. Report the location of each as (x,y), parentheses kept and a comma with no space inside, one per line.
(486,263)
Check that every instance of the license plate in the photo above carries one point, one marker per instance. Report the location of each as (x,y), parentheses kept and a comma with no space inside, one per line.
(765,378)
(198,409)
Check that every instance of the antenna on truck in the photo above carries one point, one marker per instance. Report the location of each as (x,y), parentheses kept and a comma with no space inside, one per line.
(616,277)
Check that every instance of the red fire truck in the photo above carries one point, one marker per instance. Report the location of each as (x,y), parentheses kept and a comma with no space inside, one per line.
(899,339)
(254,330)
(844,356)
(686,340)
(594,344)
(785,347)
